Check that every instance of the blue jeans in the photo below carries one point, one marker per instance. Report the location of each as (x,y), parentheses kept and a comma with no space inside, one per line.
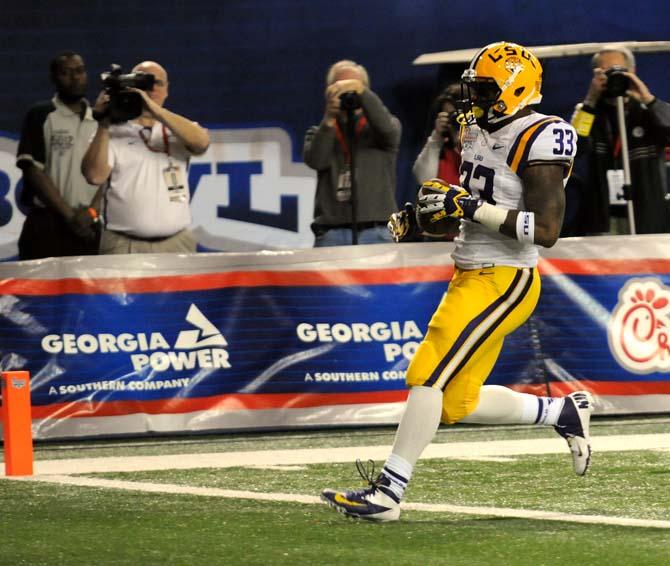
(342,237)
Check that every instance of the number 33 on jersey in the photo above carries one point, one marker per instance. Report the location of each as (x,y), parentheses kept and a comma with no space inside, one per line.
(492,168)
(493,163)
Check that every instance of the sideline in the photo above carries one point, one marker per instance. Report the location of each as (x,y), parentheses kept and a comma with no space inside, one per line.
(312,500)
(483,450)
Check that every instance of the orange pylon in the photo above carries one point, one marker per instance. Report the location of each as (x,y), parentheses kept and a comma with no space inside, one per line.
(16,423)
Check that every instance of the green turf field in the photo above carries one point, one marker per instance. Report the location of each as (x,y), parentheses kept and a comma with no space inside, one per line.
(50,523)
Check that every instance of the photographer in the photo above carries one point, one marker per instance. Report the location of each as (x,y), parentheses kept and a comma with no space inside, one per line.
(599,144)
(326,149)
(441,155)
(143,162)
(61,218)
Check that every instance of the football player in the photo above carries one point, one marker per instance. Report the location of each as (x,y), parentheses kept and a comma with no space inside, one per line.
(515,163)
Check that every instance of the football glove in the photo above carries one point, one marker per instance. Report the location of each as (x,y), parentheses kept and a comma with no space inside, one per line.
(438,200)
(403,225)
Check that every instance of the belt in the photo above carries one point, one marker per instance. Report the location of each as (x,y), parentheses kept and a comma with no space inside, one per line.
(140,239)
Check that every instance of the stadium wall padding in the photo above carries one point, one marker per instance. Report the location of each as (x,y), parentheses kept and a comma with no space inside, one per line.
(319,337)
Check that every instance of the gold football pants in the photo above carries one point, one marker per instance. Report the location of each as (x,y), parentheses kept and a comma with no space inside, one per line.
(466,333)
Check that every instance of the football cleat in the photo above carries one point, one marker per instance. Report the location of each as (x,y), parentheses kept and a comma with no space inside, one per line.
(573,425)
(374,503)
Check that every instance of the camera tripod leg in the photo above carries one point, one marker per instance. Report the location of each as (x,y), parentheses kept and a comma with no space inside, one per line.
(623,135)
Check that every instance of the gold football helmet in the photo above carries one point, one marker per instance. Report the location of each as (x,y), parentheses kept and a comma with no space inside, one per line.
(502,79)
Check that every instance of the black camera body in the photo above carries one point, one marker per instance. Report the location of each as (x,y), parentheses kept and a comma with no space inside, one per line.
(350,101)
(124,104)
(617,82)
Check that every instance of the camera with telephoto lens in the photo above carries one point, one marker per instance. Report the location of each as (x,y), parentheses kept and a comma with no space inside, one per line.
(617,82)
(125,104)
(350,100)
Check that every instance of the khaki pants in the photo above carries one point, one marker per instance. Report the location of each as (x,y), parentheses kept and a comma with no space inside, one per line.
(118,243)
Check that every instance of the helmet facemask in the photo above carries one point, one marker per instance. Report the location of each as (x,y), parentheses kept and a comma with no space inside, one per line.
(480,102)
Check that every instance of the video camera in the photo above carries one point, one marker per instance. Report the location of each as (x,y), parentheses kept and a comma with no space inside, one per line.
(617,82)
(124,104)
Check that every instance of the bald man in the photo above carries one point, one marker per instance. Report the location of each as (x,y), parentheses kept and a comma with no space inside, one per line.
(142,165)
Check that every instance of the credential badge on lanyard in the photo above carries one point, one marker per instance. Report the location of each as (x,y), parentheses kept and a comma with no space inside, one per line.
(173,174)
(343,191)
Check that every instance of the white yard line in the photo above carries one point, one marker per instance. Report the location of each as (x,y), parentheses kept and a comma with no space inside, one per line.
(311,499)
(453,431)
(55,471)
(296,457)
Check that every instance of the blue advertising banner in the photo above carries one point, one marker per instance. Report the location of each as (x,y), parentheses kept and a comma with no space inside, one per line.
(162,343)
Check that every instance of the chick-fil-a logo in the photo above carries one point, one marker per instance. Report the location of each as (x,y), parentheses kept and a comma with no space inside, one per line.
(639,330)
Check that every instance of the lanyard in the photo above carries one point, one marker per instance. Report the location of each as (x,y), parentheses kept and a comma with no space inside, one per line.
(165,141)
(617,147)
(360,124)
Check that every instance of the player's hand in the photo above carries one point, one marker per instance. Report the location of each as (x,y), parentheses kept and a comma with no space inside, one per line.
(438,200)
(403,224)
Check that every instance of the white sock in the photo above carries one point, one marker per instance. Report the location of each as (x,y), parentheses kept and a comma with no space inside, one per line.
(399,471)
(549,410)
(502,405)
(416,430)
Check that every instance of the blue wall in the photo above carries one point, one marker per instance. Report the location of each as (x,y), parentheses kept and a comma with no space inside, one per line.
(237,62)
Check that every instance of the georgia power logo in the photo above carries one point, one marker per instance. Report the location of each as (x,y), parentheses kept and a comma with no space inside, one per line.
(200,347)
(639,328)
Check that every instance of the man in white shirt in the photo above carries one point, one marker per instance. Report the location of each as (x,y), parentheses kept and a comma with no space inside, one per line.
(143,164)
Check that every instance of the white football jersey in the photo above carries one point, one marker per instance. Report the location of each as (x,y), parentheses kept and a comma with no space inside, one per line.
(491,169)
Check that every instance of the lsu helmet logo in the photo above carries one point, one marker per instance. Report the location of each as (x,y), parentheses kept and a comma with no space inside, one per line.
(639,329)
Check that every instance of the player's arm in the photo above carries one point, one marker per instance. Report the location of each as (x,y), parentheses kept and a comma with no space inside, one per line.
(542,172)
(545,199)
(539,224)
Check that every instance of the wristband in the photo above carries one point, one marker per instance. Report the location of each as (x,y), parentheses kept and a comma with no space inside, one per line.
(93,214)
(582,121)
(525,227)
(491,216)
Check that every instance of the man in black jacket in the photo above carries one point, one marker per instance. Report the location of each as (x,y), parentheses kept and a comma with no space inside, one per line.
(648,131)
